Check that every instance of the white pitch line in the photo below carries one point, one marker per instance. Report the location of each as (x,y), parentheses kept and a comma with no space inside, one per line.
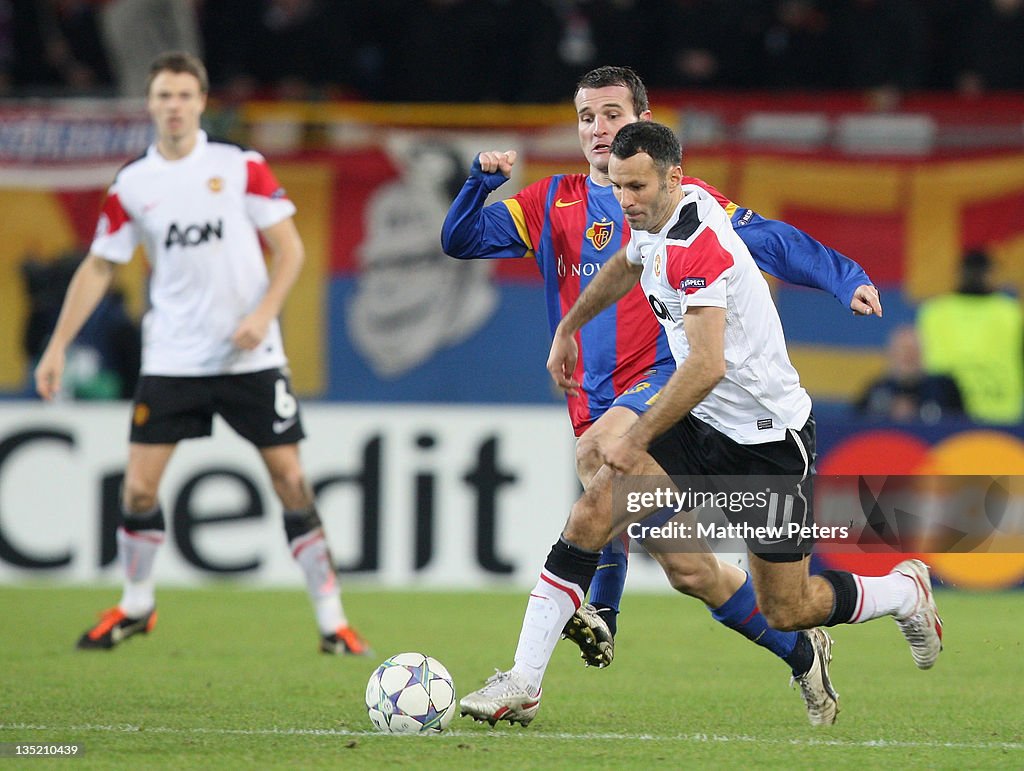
(695,738)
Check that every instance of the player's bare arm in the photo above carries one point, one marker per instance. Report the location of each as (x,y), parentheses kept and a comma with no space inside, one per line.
(286,258)
(699,373)
(610,285)
(498,160)
(90,282)
(866,301)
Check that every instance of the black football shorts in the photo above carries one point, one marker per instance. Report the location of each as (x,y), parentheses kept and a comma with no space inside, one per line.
(693,448)
(260,406)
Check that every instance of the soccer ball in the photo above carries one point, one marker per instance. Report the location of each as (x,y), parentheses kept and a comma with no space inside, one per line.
(410,693)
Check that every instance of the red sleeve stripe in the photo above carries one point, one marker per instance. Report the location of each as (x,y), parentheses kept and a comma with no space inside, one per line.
(261,180)
(114,212)
(694,267)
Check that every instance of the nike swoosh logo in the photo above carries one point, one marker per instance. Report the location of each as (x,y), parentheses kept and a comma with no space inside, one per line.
(562,204)
(280,426)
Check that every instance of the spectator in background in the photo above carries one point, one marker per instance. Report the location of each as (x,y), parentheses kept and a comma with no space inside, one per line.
(704,43)
(6,45)
(795,47)
(472,51)
(906,393)
(281,49)
(104,361)
(71,46)
(135,31)
(947,23)
(618,27)
(976,335)
(880,48)
(994,54)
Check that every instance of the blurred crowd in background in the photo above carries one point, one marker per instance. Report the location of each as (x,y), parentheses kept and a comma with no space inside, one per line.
(963,355)
(514,50)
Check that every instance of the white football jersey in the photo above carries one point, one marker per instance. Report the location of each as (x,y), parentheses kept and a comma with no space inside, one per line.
(698,260)
(198,219)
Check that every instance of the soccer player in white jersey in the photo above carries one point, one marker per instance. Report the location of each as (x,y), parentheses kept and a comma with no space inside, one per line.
(211,340)
(734,407)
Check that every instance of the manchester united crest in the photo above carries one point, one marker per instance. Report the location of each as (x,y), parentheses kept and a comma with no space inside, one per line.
(140,416)
(600,233)
(216,184)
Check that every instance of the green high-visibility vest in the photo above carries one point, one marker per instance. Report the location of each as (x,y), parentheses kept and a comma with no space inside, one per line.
(979,341)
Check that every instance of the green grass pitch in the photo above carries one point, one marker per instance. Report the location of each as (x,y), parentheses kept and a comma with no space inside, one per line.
(231,678)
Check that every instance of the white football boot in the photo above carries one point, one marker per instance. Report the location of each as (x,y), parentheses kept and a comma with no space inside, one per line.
(923,627)
(505,696)
(820,697)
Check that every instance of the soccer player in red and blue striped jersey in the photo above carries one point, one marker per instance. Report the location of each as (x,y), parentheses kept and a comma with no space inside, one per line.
(572,225)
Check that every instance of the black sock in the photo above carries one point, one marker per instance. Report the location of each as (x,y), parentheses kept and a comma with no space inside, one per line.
(147,520)
(844,586)
(609,614)
(572,563)
(802,655)
(298,523)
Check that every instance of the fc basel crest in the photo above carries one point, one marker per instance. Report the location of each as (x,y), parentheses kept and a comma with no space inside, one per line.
(600,233)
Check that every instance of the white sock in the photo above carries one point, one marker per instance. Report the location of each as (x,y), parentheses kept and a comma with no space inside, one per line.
(893,594)
(552,603)
(311,552)
(137,551)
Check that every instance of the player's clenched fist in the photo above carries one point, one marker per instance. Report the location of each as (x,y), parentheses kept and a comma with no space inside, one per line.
(497,160)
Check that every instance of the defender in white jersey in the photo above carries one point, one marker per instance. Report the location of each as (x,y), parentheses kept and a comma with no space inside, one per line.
(211,339)
(734,406)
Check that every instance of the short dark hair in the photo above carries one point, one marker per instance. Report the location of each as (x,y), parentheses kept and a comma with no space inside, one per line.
(178,62)
(617,76)
(975,272)
(655,139)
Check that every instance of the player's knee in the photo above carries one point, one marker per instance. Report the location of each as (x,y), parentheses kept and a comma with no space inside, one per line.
(588,457)
(137,497)
(586,528)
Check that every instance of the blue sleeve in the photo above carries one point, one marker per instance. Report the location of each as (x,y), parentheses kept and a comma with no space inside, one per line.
(793,256)
(474,231)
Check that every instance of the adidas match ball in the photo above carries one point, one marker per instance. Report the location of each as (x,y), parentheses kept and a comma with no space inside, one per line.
(410,693)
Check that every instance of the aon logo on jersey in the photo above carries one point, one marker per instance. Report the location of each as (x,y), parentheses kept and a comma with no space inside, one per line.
(193,235)
(659,308)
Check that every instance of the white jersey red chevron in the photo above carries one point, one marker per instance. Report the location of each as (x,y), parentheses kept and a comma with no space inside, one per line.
(698,260)
(197,218)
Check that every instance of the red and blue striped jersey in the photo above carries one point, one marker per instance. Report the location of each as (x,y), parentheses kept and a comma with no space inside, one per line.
(572,226)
